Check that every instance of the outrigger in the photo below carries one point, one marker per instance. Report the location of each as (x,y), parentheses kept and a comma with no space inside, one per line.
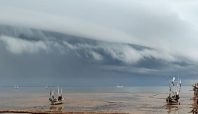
(56,97)
(174,91)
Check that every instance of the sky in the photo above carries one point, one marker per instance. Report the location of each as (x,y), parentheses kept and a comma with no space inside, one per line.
(98,40)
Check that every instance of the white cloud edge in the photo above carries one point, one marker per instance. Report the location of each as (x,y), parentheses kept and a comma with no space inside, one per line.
(20,46)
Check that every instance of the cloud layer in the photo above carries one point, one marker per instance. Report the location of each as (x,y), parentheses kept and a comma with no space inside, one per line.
(109,37)
(18,41)
(19,46)
(166,25)
(45,56)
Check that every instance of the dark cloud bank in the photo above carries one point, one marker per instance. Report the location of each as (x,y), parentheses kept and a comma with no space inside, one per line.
(31,55)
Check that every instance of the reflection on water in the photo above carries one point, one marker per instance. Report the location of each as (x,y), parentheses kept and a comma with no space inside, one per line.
(56,108)
(172,109)
(195,105)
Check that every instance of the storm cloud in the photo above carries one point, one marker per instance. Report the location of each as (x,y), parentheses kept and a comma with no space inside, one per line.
(98,37)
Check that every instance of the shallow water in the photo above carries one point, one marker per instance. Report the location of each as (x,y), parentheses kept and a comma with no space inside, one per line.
(143,100)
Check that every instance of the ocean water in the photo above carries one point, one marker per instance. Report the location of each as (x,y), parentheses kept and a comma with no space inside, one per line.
(136,99)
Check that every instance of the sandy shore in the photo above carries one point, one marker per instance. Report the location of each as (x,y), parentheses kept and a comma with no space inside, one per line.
(49,112)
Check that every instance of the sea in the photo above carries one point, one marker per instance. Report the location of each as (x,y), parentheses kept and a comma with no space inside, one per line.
(118,98)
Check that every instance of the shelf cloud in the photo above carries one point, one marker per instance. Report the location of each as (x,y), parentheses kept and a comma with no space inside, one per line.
(125,36)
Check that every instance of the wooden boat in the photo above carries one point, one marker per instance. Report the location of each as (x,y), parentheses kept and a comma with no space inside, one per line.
(195,89)
(56,98)
(174,91)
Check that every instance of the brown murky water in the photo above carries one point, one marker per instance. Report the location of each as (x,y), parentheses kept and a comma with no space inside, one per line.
(135,100)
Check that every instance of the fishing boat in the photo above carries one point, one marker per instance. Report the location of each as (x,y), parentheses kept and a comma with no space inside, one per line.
(16,86)
(119,86)
(56,97)
(195,99)
(174,91)
(195,89)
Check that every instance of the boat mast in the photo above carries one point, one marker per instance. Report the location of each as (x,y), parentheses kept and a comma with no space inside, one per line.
(58,91)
